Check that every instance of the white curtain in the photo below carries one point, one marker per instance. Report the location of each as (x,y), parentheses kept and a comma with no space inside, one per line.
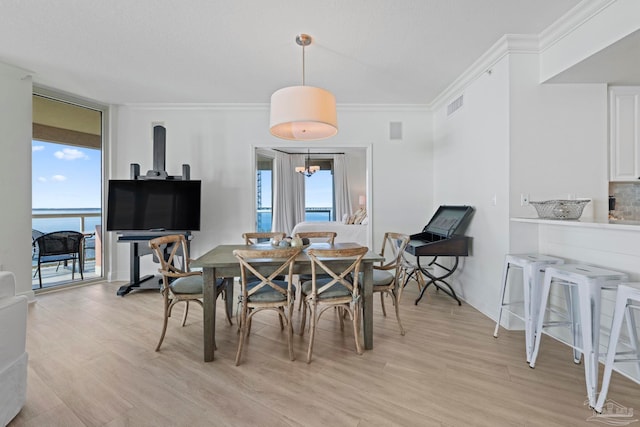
(288,192)
(341,187)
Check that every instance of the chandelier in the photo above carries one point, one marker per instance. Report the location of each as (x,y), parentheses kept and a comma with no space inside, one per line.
(303,113)
(307,169)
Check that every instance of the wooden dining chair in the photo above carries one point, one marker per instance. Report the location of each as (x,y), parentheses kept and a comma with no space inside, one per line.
(253,238)
(318,236)
(314,237)
(388,275)
(178,282)
(340,290)
(263,291)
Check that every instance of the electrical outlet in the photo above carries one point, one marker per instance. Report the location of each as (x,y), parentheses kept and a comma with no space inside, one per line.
(524,200)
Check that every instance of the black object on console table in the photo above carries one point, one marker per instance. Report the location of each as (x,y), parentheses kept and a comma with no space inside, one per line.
(440,238)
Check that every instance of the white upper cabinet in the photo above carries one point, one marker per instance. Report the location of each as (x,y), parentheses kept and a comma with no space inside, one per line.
(624,126)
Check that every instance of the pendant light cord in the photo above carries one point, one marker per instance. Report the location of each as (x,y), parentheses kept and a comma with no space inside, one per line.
(303,46)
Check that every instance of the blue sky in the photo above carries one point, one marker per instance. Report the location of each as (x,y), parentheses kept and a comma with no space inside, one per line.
(65,176)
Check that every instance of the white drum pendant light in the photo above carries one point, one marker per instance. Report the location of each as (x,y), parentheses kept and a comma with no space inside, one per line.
(303,113)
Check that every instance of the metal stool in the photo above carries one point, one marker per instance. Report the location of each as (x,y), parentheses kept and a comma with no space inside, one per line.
(532,266)
(627,300)
(589,282)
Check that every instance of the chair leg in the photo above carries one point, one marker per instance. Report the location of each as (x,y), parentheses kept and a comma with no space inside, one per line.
(303,321)
(164,326)
(292,356)
(633,335)
(544,298)
(228,306)
(40,274)
(384,311)
(396,298)
(355,314)
(243,334)
(186,312)
(312,330)
(505,275)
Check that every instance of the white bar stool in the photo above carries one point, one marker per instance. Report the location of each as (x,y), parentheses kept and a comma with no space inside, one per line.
(627,300)
(532,265)
(589,282)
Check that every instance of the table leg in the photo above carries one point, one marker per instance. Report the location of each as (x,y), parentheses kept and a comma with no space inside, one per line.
(367,306)
(209,312)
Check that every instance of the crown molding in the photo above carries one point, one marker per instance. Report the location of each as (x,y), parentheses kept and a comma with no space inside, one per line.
(570,21)
(265,107)
(507,44)
(513,43)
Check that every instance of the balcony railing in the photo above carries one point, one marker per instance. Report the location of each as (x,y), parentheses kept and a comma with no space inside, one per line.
(82,220)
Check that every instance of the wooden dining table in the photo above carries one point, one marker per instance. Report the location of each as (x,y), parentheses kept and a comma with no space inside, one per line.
(221,263)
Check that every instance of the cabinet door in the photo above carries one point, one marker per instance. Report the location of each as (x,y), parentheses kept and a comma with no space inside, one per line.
(624,155)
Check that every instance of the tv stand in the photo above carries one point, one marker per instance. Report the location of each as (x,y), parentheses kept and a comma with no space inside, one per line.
(139,247)
(139,241)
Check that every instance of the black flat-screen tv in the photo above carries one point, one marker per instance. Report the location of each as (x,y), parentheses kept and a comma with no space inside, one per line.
(153,205)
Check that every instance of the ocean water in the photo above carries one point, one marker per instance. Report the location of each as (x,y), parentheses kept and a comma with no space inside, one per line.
(47,225)
(264,219)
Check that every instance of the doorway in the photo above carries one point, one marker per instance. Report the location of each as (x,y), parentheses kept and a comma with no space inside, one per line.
(66,188)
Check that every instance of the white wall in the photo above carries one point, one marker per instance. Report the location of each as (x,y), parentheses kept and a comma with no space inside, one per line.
(15,178)
(558,140)
(513,136)
(471,167)
(216,141)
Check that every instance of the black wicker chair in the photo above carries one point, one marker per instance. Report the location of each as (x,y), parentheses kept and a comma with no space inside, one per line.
(60,246)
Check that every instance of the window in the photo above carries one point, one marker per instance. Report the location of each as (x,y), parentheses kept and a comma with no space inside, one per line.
(264,200)
(66,182)
(319,194)
(318,189)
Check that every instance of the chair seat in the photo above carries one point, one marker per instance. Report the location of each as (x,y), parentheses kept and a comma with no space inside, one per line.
(337,290)
(380,277)
(57,258)
(187,285)
(267,293)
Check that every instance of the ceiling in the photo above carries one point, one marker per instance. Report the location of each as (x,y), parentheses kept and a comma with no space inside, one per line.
(241,51)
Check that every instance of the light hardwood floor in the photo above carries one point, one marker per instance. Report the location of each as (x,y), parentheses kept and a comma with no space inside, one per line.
(91,363)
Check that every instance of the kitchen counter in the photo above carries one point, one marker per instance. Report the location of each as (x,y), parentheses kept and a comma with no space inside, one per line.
(585,222)
(611,244)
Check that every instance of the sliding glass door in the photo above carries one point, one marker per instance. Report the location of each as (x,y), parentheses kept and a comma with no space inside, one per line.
(66,189)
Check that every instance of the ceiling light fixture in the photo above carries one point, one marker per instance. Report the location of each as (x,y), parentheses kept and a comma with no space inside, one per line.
(307,169)
(303,113)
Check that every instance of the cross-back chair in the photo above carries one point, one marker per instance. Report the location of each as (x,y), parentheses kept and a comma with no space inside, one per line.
(261,290)
(318,236)
(178,282)
(339,290)
(388,276)
(314,237)
(253,238)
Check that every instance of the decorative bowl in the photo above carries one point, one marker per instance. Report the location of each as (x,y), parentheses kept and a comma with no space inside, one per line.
(560,209)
